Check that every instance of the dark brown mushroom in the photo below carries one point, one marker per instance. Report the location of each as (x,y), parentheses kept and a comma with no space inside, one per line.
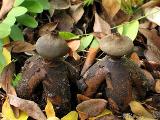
(51,72)
(116,45)
(51,46)
(119,72)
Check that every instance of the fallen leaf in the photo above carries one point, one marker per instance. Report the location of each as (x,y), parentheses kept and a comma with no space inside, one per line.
(91,55)
(151,3)
(60,4)
(153,42)
(129,29)
(30,107)
(91,108)
(104,113)
(53,118)
(47,28)
(76,11)
(6,77)
(7,112)
(74,44)
(73,115)
(111,7)
(81,98)
(6,6)
(7,55)
(153,14)
(49,109)
(157,86)
(139,110)
(65,21)
(127,116)
(21,46)
(101,26)
(134,57)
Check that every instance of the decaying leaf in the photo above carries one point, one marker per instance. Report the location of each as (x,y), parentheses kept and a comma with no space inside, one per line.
(91,108)
(74,44)
(7,112)
(47,28)
(153,42)
(104,113)
(6,77)
(65,21)
(101,26)
(151,3)
(157,86)
(128,117)
(6,6)
(139,110)
(21,46)
(111,7)
(76,11)
(49,109)
(30,107)
(153,14)
(73,115)
(135,58)
(60,4)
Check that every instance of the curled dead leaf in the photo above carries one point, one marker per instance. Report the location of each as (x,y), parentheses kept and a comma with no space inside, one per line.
(60,4)
(101,26)
(91,108)
(111,7)
(21,46)
(6,6)
(47,28)
(30,107)
(139,110)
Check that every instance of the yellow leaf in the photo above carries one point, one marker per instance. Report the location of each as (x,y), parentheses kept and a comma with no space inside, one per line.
(49,109)
(7,55)
(105,112)
(7,112)
(5,40)
(139,110)
(73,115)
(128,117)
(53,118)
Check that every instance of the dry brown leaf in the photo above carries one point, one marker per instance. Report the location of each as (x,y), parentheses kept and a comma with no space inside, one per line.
(74,44)
(157,86)
(76,11)
(135,58)
(6,77)
(91,55)
(6,6)
(47,28)
(101,26)
(21,46)
(5,80)
(65,21)
(153,42)
(30,107)
(81,98)
(111,7)
(151,3)
(60,4)
(91,108)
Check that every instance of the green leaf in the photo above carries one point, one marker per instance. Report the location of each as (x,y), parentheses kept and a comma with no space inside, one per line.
(88,2)
(18,2)
(27,21)
(16,33)
(9,20)
(73,115)
(85,42)
(4,30)
(33,6)
(66,35)
(17,79)
(129,29)
(94,43)
(45,4)
(17,11)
